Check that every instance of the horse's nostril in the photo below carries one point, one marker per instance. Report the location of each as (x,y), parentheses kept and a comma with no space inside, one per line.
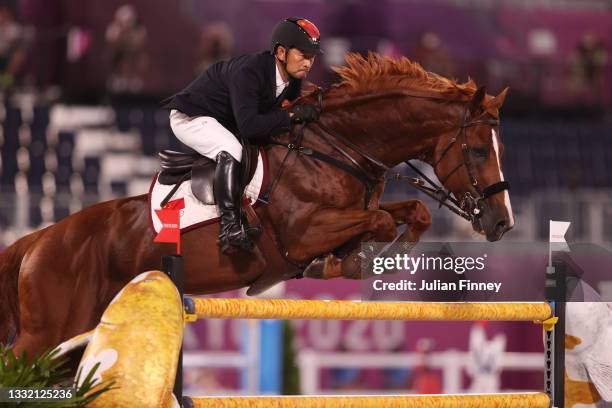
(501,226)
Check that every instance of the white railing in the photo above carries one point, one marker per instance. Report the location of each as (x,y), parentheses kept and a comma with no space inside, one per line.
(247,361)
(222,359)
(451,362)
(310,362)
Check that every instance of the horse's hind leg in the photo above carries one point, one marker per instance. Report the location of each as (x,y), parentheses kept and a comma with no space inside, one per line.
(54,304)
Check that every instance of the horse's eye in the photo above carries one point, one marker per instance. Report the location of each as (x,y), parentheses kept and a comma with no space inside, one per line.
(480,152)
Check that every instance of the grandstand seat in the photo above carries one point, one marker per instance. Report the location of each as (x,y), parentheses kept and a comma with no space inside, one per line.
(116,167)
(13,118)
(119,188)
(147,132)
(64,160)
(65,145)
(37,164)
(9,165)
(35,210)
(61,207)
(89,143)
(127,117)
(91,174)
(62,177)
(123,142)
(139,185)
(162,140)
(39,126)
(77,187)
(63,117)
(7,213)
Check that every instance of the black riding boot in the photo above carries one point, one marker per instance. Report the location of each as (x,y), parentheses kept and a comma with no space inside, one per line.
(226,187)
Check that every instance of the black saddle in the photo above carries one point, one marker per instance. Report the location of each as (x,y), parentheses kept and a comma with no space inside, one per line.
(177,167)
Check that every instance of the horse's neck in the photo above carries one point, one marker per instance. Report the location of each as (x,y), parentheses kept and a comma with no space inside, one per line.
(390,129)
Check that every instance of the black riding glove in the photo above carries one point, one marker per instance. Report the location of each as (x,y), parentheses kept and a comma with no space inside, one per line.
(304,113)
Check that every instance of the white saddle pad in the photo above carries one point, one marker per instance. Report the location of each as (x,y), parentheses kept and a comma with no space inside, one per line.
(195,213)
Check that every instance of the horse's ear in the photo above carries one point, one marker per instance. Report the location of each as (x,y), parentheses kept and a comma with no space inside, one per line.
(498,101)
(477,99)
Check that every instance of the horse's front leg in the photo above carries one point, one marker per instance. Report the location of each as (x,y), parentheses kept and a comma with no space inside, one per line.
(330,228)
(417,218)
(412,213)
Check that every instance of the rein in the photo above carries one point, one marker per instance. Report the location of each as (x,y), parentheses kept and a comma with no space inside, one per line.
(356,170)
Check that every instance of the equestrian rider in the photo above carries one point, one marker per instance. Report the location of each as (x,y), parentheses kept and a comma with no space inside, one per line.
(242,96)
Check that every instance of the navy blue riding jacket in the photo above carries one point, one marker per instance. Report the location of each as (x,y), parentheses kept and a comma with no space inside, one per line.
(240,94)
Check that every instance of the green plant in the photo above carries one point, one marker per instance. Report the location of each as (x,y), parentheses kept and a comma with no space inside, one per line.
(46,371)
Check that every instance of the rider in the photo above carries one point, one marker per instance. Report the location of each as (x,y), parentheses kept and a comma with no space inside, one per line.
(241,96)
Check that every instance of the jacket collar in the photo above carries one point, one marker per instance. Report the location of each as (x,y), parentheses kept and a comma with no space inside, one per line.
(294,86)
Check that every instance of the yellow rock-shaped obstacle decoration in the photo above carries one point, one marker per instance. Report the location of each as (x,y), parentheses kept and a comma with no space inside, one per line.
(137,343)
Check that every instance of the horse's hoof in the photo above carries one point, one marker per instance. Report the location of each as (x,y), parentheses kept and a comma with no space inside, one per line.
(315,269)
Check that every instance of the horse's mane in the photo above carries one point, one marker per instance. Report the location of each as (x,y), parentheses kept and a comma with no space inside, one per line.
(376,72)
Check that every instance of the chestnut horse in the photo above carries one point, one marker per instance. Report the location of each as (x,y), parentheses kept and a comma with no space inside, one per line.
(55,283)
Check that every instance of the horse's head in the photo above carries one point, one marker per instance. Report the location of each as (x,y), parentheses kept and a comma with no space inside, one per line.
(467,160)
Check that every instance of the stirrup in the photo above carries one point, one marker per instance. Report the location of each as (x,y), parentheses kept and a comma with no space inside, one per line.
(244,241)
(253,232)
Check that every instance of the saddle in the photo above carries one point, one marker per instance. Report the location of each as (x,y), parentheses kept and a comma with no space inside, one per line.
(177,167)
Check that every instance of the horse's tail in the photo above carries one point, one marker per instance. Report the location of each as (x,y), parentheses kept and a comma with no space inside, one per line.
(10,262)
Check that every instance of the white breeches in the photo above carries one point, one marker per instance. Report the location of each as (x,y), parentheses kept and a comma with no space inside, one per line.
(204,135)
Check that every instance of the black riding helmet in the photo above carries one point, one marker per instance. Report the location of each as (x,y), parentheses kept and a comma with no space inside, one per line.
(296,33)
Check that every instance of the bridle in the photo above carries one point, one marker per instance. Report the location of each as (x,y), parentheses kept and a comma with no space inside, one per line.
(469,207)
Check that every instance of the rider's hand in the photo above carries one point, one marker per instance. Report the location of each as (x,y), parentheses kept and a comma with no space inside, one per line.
(303,113)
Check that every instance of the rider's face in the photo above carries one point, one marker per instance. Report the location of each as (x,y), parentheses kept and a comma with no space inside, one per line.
(298,63)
